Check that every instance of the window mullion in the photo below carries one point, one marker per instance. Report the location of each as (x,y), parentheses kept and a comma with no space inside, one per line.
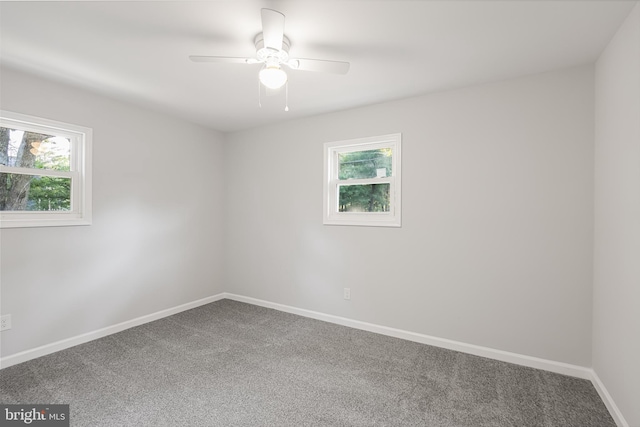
(37,172)
(365,181)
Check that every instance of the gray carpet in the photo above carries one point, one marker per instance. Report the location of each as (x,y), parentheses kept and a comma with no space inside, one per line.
(234,364)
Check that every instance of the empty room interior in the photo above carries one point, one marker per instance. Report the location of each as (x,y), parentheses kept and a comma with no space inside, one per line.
(288,213)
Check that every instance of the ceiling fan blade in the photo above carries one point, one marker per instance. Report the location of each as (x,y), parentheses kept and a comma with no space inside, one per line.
(227,59)
(272,28)
(336,67)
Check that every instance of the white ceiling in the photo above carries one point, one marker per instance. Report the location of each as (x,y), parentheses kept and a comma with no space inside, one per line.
(138,51)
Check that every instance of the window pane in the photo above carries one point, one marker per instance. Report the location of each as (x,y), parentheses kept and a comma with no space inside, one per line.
(365,164)
(34,150)
(34,193)
(364,198)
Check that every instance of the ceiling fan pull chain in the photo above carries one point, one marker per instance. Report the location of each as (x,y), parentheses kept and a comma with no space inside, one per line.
(259,93)
(286,96)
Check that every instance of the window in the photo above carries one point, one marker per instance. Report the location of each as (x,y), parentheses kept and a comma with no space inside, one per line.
(362,181)
(45,172)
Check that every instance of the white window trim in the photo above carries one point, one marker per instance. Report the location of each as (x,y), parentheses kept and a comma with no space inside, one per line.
(331,216)
(80,173)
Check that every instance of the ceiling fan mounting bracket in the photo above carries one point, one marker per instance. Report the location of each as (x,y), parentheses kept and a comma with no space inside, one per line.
(264,53)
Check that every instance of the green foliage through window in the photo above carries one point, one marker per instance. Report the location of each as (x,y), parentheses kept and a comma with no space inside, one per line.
(364,165)
(29,192)
(364,198)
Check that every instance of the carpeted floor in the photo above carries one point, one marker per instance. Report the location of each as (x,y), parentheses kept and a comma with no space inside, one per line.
(235,364)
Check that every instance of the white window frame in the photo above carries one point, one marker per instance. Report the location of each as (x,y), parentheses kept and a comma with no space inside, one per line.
(79,173)
(332,216)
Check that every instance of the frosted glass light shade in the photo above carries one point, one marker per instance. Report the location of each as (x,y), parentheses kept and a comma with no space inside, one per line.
(273,77)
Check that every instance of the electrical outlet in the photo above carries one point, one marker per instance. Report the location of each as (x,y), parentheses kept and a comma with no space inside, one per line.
(347,293)
(5,322)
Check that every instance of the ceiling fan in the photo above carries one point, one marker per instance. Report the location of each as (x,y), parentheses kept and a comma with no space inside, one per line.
(272,50)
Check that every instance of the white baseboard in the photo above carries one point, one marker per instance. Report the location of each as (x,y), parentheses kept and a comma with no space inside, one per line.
(608,400)
(505,356)
(24,356)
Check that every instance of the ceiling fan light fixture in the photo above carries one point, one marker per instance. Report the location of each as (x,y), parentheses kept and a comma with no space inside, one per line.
(272,76)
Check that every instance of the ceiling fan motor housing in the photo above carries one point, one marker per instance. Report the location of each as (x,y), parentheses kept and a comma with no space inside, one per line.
(271,55)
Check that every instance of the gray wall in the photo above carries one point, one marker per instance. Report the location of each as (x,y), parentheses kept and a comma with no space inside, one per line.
(156,238)
(495,247)
(616,293)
